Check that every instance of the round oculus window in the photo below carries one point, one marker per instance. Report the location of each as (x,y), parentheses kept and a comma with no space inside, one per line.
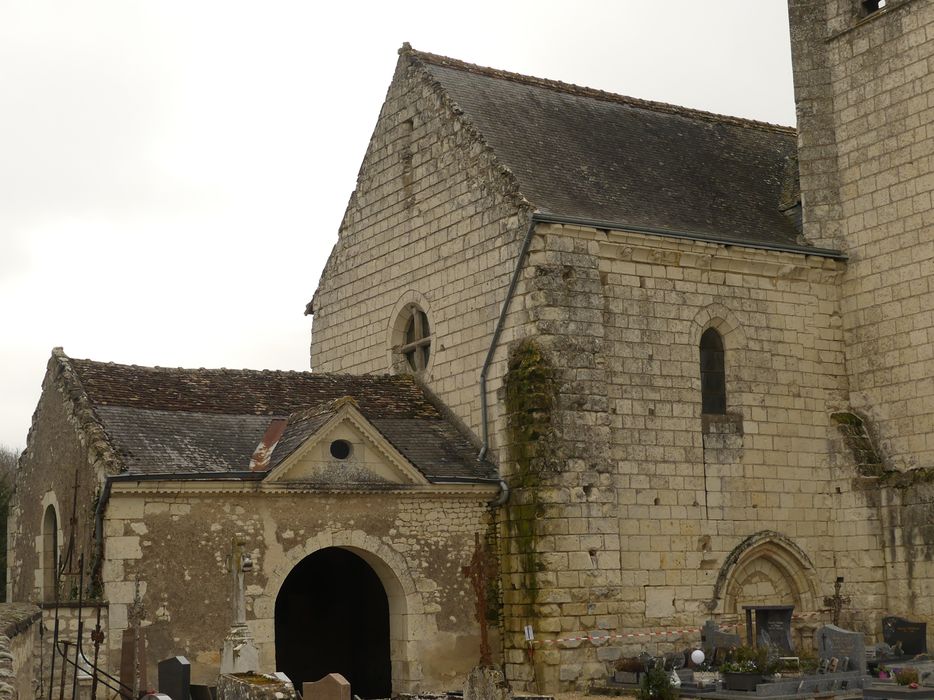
(341,449)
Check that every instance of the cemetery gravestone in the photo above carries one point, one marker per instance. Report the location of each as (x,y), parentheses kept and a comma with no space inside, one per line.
(773,625)
(332,687)
(175,678)
(836,642)
(717,642)
(912,636)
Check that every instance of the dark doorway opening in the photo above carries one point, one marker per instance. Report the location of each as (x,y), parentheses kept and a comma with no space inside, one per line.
(332,616)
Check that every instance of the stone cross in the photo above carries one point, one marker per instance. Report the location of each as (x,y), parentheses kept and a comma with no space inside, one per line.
(238,564)
(479,571)
(836,602)
(239,654)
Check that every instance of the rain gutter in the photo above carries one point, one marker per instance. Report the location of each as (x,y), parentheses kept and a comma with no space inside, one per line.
(539,217)
(690,236)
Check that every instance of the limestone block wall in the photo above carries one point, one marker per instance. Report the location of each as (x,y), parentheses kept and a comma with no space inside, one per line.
(175,541)
(75,624)
(864,86)
(656,516)
(907,515)
(434,221)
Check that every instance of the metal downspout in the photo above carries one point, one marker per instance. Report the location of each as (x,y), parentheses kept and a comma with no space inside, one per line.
(99,530)
(497,331)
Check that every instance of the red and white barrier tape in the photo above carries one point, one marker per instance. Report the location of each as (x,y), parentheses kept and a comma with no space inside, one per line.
(661,633)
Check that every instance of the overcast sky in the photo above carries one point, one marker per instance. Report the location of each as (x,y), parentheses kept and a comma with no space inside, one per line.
(172,174)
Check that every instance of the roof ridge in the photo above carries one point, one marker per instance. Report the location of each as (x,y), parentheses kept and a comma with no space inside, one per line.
(245,370)
(83,410)
(594,93)
(515,188)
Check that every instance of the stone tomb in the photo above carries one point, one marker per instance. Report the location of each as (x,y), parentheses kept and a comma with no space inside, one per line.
(332,687)
(175,678)
(846,646)
(254,686)
(911,636)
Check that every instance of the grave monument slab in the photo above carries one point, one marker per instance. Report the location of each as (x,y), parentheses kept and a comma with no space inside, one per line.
(912,636)
(772,628)
(716,642)
(175,677)
(836,642)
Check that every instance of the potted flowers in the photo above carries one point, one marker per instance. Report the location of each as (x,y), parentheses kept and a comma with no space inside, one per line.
(746,667)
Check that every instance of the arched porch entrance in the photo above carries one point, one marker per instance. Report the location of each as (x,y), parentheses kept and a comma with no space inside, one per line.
(332,616)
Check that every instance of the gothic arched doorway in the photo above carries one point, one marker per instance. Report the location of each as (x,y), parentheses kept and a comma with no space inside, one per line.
(332,616)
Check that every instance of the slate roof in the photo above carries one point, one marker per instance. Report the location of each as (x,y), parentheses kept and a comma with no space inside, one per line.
(210,421)
(583,153)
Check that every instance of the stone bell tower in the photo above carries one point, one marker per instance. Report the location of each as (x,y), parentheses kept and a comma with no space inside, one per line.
(864,89)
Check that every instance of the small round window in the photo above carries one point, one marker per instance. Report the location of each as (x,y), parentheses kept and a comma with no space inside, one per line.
(416,346)
(341,449)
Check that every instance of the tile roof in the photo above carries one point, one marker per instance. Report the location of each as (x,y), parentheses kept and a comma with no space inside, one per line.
(588,154)
(172,420)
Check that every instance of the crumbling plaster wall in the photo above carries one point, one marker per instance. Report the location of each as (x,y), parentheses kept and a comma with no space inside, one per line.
(434,220)
(175,544)
(61,465)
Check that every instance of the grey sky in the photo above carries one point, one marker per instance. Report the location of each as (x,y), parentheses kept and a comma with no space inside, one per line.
(172,174)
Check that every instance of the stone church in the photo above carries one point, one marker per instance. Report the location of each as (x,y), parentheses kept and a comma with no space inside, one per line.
(664,363)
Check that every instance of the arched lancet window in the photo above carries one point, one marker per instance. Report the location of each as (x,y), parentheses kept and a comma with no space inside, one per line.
(713,375)
(49,553)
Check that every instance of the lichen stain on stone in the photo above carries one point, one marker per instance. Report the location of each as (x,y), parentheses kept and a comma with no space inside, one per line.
(909,503)
(530,400)
(857,438)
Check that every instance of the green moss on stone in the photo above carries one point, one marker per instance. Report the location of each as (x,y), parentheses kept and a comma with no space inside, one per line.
(531,399)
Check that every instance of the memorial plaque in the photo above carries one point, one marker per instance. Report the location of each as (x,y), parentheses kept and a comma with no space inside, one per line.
(836,642)
(175,678)
(910,636)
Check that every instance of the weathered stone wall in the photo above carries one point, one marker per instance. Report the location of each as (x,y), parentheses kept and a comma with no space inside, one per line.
(863,85)
(61,466)
(436,221)
(19,625)
(645,514)
(175,543)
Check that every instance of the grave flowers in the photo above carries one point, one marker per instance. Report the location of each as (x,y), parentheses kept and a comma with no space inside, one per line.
(746,667)
(907,676)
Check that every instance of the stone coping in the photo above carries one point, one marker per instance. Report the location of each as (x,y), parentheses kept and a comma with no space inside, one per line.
(16,618)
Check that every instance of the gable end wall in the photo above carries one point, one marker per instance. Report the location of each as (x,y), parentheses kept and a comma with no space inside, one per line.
(434,220)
